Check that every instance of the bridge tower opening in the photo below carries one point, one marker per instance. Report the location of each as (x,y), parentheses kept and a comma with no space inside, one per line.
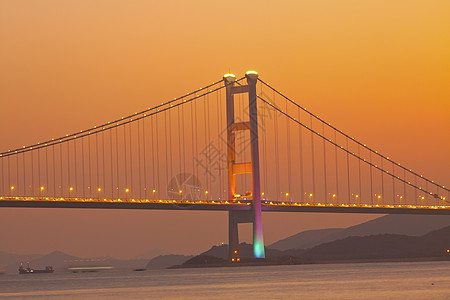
(254,216)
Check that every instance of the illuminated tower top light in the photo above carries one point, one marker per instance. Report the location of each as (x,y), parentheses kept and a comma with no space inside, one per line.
(253,75)
(228,78)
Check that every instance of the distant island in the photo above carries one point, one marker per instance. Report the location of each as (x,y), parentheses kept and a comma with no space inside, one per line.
(388,238)
(374,248)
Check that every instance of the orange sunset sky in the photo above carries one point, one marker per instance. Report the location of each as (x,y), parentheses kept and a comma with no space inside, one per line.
(379,70)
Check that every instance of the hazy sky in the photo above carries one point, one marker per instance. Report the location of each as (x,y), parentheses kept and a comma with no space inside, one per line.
(379,70)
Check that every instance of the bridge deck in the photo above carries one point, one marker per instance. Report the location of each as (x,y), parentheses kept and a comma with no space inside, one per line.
(219,205)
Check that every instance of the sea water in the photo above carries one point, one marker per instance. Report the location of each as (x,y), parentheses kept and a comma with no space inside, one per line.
(415,280)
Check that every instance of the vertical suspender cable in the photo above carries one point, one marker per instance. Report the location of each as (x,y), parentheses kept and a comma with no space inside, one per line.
(139,158)
(68,163)
(382,182)
(179,143)
(209,144)
(75,166)
(153,154)
(145,158)
(371,178)
(111,162)
(337,166)
(277,165)
(89,167)
(415,190)
(324,164)
(312,162)
(103,163)
(39,171)
(131,161)
(359,174)
(17,172)
(393,182)
(196,138)
(117,162)
(404,185)
(184,143)
(3,175)
(219,146)
(125,160)
(158,173)
(61,168)
(264,151)
(32,174)
(169,112)
(192,139)
(82,167)
(300,147)
(220,120)
(348,175)
(288,134)
(54,170)
(165,149)
(24,174)
(206,149)
(9,176)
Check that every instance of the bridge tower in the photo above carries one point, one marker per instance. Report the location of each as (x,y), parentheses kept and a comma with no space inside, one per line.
(254,216)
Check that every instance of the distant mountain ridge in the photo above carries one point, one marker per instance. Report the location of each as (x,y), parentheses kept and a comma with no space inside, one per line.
(61,261)
(306,239)
(434,245)
(412,225)
(384,246)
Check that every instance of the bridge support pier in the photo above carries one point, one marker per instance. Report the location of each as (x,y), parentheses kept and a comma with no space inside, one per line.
(254,216)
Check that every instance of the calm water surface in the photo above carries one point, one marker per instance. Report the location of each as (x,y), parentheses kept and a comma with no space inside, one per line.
(426,280)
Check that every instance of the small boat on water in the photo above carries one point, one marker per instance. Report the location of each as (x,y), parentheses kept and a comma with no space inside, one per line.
(28,270)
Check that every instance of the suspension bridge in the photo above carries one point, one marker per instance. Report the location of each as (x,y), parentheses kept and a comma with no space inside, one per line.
(236,145)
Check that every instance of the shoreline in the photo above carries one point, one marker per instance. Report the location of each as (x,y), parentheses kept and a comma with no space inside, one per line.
(315,262)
